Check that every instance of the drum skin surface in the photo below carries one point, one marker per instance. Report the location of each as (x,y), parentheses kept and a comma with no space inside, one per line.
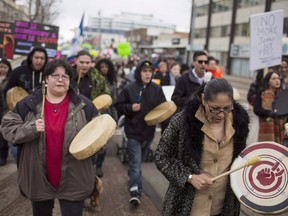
(262,187)
(14,95)
(236,94)
(160,113)
(102,102)
(92,137)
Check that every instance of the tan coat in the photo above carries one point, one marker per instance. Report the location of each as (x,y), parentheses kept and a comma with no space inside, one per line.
(216,159)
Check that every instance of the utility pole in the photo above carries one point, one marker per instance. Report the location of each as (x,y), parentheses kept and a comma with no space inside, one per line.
(191,34)
(208,26)
(268,4)
(232,35)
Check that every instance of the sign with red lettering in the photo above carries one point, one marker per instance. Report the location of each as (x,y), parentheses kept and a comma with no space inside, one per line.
(28,35)
(6,40)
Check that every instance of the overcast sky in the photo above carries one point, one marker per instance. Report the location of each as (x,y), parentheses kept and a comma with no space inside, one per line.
(169,11)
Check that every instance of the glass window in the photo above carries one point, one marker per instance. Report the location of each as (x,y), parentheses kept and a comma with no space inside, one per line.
(241,29)
(240,67)
(200,33)
(216,31)
(225,31)
(249,3)
(201,10)
(221,6)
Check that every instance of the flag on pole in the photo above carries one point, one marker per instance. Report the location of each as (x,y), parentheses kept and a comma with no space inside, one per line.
(81,27)
(78,39)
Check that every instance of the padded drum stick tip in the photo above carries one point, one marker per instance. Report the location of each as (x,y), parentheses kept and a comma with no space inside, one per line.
(253,161)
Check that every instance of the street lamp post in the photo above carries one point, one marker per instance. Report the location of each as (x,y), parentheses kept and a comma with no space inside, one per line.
(191,34)
(232,35)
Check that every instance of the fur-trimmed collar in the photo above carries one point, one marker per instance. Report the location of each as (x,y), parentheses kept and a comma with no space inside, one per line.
(194,136)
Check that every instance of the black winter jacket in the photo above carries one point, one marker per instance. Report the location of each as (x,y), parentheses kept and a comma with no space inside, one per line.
(24,76)
(152,95)
(186,87)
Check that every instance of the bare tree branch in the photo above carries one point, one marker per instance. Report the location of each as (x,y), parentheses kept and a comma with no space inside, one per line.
(42,11)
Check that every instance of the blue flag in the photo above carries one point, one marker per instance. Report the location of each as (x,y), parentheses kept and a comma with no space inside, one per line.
(81,27)
(77,40)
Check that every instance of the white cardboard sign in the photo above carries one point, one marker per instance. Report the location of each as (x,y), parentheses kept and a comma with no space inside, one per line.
(168,91)
(266,32)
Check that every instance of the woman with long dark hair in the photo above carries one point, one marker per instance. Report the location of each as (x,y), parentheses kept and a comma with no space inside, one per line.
(271,126)
(107,69)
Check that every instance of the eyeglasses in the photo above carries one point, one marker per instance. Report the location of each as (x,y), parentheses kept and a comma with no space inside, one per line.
(58,76)
(218,111)
(202,61)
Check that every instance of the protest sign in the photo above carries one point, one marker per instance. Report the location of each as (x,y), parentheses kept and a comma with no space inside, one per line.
(28,35)
(266,32)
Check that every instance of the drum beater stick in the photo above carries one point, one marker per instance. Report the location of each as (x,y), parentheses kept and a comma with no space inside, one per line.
(43,103)
(250,162)
(79,78)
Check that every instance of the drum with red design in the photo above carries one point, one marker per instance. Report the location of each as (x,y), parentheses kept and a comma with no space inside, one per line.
(262,187)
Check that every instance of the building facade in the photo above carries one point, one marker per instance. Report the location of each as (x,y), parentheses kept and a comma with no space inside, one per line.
(227,33)
(10,11)
(167,45)
(115,28)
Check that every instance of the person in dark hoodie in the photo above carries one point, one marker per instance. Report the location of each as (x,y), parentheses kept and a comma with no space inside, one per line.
(135,101)
(30,75)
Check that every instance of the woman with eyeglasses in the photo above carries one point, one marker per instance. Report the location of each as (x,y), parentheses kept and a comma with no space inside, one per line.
(201,142)
(46,169)
(271,126)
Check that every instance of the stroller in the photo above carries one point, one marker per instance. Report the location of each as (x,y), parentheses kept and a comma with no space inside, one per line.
(122,147)
(122,151)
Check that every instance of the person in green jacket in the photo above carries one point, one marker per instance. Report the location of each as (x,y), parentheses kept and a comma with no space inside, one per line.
(91,84)
(87,79)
